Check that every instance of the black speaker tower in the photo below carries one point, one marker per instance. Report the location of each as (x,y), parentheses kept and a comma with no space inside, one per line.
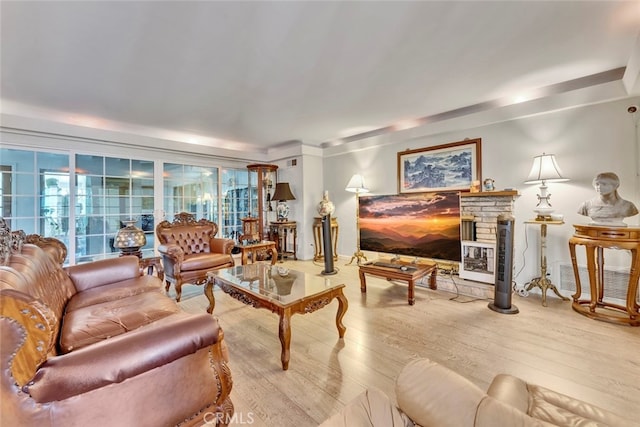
(504,269)
(326,245)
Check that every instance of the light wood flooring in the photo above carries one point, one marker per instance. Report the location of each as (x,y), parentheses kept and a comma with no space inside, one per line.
(555,347)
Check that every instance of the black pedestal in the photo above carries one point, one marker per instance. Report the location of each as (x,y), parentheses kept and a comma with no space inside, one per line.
(327,248)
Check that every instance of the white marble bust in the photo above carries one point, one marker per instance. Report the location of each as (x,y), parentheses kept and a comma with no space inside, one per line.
(607,208)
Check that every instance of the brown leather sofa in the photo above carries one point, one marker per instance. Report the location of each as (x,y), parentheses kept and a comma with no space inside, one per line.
(430,395)
(189,250)
(100,344)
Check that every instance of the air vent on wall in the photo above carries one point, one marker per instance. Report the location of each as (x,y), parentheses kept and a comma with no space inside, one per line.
(615,281)
(292,163)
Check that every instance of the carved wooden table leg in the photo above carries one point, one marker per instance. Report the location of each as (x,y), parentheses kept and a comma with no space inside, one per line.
(412,298)
(593,278)
(576,275)
(285,337)
(274,254)
(363,282)
(433,284)
(634,276)
(343,305)
(208,291)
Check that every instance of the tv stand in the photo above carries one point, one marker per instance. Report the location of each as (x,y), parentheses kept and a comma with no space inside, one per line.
(389,270)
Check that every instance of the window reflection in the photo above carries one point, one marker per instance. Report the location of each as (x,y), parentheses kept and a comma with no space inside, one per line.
(192,189)
(86,206)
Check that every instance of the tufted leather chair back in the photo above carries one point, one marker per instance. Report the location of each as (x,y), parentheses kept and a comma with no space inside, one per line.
(193,239)
(192,236)
(189,250)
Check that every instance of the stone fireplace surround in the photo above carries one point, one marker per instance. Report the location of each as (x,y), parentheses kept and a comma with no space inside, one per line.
(482,209)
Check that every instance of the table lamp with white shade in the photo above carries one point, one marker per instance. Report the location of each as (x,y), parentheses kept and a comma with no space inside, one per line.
(545,169)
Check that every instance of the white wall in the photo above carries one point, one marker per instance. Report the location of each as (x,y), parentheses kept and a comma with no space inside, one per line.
(586,141)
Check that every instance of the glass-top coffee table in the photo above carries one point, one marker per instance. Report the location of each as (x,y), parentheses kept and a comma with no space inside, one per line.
(285,293)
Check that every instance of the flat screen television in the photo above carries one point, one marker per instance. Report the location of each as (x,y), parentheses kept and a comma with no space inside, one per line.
(425,225)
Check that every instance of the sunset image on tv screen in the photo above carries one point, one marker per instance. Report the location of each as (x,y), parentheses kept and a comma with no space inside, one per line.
(425,225)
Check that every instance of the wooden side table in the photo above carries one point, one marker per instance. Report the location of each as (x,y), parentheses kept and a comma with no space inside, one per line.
(399,270)
(279,231)
(543,281)
(153,262)
(317,238)
(595,239)
(253,249)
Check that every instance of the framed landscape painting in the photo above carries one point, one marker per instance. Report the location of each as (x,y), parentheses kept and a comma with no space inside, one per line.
(447,167)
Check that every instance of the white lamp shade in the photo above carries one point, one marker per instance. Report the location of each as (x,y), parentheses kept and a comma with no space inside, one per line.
(545,168)
(356,185)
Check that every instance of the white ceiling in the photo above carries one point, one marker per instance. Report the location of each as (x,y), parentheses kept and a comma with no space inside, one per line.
(266,73)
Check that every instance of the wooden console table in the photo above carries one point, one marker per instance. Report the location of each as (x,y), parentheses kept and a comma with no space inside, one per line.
(317,238)
(254,248)
(278,231)
(596,239)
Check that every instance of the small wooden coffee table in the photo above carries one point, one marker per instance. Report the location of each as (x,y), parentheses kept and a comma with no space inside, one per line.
(261,286)
(399,270)
(254,248)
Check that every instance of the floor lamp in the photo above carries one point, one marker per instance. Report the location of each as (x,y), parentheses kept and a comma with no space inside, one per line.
(356,185)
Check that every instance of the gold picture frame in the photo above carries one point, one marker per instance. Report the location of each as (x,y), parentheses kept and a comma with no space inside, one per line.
(447,167)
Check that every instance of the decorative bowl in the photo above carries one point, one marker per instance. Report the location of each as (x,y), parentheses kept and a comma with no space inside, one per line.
(283,271)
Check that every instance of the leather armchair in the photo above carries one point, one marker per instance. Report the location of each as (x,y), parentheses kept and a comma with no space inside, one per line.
(189,250)
(430,395)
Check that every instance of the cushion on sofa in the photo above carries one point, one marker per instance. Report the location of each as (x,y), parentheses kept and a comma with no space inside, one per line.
(494,413)
(104,272)
(122,357)
(511,390)
(204,260)
(88,325)
(563,410)
(548,405)
(114,291)
(434,396)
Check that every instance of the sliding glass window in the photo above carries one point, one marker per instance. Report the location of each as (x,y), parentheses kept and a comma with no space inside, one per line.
(239,200)
(191,189)
(35,192)
(84,199)
(108,192)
